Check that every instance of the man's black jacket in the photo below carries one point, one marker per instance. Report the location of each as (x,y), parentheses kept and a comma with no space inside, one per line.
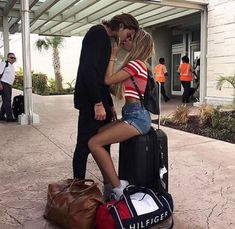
(94,59)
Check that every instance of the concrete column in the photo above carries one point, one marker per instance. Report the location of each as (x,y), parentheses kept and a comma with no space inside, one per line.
(5,36)
(203,58)
(28,117)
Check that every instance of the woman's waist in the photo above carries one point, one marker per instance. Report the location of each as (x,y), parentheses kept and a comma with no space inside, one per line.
(132,104)
(129,100)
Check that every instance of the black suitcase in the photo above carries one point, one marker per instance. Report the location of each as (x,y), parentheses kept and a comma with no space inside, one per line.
(143,160)
(18,105)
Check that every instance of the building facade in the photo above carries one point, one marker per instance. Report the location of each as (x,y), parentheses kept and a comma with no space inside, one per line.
(183,36)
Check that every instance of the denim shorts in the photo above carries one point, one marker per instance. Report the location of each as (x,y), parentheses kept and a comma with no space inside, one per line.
(136,115)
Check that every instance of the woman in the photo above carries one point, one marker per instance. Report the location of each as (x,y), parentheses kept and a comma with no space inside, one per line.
(92,96)
(135,118)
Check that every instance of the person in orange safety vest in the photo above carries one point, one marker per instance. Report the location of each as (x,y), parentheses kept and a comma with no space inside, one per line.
(186,72)
(160,76)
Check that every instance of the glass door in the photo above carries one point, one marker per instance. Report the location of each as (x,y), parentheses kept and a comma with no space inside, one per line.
(175,85)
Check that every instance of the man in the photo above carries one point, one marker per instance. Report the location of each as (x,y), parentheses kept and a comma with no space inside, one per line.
(186,72)
(160,77)
(92,96)
(6,81)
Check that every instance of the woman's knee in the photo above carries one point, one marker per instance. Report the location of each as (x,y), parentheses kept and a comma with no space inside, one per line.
(93,144)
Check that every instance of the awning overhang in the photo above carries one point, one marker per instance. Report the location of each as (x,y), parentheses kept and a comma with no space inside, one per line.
(74,17)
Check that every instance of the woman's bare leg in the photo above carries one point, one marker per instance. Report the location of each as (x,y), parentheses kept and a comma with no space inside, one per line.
(108,125)
(106,180)
(116,133)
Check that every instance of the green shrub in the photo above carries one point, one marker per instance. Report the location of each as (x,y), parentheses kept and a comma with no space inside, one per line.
(52,86)
(71,87)
(222,125)
(18,83)
(41,85)
(39,81)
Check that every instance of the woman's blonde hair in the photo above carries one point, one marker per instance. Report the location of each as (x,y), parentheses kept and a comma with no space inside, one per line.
(142,49)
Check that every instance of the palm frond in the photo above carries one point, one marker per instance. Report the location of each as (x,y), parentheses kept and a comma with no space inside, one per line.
(222,79)
(55,42)
(41,43)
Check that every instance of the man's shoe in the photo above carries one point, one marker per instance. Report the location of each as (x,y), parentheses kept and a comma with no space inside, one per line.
(166,99)
(2,118)
(12,120)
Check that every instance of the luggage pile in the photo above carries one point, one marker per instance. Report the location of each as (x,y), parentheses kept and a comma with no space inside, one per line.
(143,162)
(146,203)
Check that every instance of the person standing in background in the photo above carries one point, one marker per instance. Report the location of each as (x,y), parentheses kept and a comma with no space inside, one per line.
(92,97)
(160,76)
(7,79)
(186,72)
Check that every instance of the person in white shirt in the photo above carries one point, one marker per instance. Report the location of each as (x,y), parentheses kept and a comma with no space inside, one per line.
(7,78)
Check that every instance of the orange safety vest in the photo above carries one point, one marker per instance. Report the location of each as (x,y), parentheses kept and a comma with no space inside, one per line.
(185,70)
(159,73)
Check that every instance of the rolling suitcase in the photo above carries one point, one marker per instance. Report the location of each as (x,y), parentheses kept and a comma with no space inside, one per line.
(143,160)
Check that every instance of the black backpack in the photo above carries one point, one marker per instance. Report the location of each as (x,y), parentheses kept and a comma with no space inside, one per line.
(18,105)
(151,94)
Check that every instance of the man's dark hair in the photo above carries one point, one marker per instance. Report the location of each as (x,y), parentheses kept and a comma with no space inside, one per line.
(161,60)
(128,21)
(185,59)
(10,53)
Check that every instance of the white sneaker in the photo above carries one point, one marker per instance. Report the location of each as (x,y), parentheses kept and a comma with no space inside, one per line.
(118,191)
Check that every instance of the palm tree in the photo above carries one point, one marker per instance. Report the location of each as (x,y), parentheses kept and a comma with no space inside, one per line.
(230,79)
(55,43)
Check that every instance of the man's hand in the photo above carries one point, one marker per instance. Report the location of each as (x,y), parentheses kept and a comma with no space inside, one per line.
(1,87)
(114,114)
(100,113)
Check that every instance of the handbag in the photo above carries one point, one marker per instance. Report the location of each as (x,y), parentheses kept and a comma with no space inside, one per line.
(139,207)
(72,203)
(151,94)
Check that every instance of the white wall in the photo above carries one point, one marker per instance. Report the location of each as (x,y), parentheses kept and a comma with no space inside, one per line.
(42,61)
(163,48)
(221,46)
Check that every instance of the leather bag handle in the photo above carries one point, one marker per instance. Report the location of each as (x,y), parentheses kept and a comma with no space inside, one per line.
(77,182)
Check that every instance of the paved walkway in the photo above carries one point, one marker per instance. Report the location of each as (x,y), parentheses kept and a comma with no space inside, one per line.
(202,179)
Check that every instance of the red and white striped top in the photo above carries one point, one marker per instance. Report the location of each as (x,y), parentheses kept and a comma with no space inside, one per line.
(138,70)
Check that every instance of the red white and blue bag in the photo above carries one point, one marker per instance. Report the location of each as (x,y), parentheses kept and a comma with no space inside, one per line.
(138,208)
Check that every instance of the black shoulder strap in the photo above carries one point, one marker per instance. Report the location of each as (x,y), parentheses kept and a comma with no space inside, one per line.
(137,88)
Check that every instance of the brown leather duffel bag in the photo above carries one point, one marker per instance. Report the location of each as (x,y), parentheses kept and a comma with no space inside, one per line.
(72,204)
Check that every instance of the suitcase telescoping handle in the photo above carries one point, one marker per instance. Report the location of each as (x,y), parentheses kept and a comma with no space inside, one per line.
(159,98)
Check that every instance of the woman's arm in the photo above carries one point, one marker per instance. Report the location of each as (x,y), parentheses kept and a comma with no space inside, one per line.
(110,76)
(113,78)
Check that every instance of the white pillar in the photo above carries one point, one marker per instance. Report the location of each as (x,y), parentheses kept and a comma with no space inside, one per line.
(203,58)
(28,117)
(5,36)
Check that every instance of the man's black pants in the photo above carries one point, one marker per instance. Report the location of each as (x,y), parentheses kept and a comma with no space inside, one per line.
(87,127)
(186,93)
(6,101)
(163,92)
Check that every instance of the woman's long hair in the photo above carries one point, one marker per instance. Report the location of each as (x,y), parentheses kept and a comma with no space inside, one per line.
(142,49)
(127,20)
